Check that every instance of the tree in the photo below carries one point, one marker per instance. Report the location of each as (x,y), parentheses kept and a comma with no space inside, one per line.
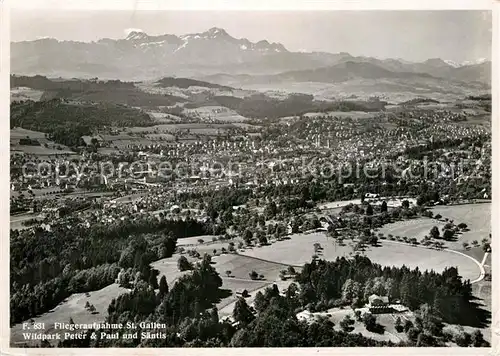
(369,210)
(463,339)
(228,273)
(475,243)
(183,264)
(398,325)
(263,239)
(214,315)
(270,210)
(448,234)
(465,245)
(408,325)
(242,312)
(405,204)
(373,240)
(383,207)
(247,237)
(260,302)
(434,233)
(153,281)
(253,275)
(245,294)
(462,226)
(370,321)
(347,323)
(413,333)
(487,247)
(357,314)
(478,339)
(291,270)
(438,216)
(163,287)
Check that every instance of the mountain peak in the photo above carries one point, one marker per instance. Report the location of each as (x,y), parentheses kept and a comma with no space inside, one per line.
(137,35)
(216,32)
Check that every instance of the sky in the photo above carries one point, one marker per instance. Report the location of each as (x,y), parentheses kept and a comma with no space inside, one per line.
(410,35)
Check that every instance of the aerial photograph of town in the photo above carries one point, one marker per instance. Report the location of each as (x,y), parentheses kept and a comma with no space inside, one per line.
(250,179)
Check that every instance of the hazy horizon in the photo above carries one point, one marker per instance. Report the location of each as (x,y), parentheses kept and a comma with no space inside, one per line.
(458,35)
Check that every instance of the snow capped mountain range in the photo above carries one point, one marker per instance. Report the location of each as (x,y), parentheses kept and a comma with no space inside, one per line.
(465,63)
(139,55)
(214,35)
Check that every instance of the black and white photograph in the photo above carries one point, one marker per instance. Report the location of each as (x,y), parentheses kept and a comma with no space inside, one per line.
(250,178)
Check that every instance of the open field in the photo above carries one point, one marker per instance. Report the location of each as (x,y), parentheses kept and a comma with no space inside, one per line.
(241,265)
(352,114)
(417,228)
(476,216)
(40,150)
(217,113)
(74,307)
(45,148)
(299,250)
(16,221)
(18,132)
(23,93)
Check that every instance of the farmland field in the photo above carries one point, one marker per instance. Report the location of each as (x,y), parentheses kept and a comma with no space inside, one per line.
(40,150)
(219,113)
(22,93)
(18,132)
(49,148)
